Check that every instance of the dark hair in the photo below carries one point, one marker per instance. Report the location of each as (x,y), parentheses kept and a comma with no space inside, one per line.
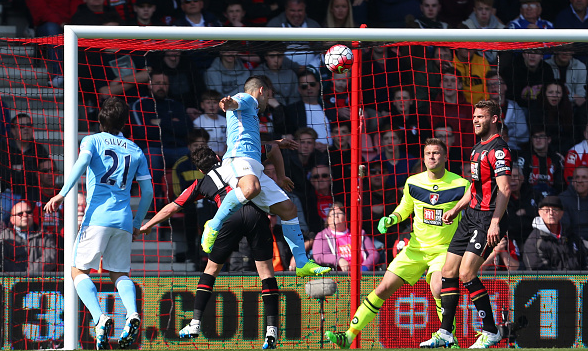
(453,71)
(340,124)
(403,88)
(197,133)
(233,2)
(204,158)
(255,82)
(491,106)
(210,95)
(113,115)
(492,73)
(20,115)
(307,72)
(436,141)
(305,130)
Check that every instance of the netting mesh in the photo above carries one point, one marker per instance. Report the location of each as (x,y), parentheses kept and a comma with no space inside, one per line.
(409,91)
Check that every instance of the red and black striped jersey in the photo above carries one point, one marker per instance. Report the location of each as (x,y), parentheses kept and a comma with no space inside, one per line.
(210,187)
(489,159)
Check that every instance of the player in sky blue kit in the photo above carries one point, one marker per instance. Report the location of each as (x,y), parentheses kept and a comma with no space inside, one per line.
(243,171)
(108,227)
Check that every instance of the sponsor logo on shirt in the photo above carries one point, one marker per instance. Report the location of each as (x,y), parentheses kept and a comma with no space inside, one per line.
(432,216)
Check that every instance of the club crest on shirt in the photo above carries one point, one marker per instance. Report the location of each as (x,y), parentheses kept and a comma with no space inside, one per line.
(433,198)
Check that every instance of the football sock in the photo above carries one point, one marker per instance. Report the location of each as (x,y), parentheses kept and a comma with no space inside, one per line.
(366,312)
(203,294)
(440,312)
(89,295)
(232,202)
(126,291)
(295,240)
(270,294)
(481,300)
(449,301)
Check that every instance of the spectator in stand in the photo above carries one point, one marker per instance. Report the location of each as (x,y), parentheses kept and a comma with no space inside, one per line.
(554,110)
(332,246)
(392,14)
(474,67)
(339,15)
(284,80)
(416,127)
(186,83)
(395,157)
(530,17)
(427,79)
(294,16)
(48,187)
(308,112)
(298,163)
(94,12)
(382,70)
(227,74)
(483,18)
(194,15)
(160,125)
(571,71)
(575,16)
(430,10)
(451,107)
(272,120)
(454,154)
(552,245)
(259,12)
(577,156)
(513,116)
(526,77)
(49,17)
(234,13)
(455,11)
(144,11)
(505,256)
(377,199)
(338,97)
(40,249)
(184,173)
(214,123)
(19,156)
(521,207)
(319,198)
(542,167)
(575,203)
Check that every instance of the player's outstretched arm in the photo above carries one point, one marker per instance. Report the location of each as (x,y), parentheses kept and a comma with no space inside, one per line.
(286,143)
(275,156)
(228,104)
(76,173)
(146,198)
(166,212)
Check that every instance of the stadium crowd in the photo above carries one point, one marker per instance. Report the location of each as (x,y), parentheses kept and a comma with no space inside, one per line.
(409,93)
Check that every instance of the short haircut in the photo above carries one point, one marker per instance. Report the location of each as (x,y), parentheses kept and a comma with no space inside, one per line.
(305,130)
(113,115)
(443,125)
(307,72)
(395,130)
(14,119)
(255,82)
(340,124)
(485,2)
(210,95)
(233,2)
(491,106)
(157,71)
(204,158)
(197,133)
(453,71)
(405,88)
(436,141)
(579,167)
(540,128)
(493,73)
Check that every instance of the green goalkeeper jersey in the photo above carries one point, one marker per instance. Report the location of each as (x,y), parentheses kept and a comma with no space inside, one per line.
(429,199)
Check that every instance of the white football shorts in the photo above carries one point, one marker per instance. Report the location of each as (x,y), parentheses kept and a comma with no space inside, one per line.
(112,244)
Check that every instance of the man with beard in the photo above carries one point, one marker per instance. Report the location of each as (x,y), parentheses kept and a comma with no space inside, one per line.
(481,228)
(160,123)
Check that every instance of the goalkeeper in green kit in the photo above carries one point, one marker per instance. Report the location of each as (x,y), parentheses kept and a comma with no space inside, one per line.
(427,195)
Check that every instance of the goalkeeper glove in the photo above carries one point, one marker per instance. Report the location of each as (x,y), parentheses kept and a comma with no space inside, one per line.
(386,222)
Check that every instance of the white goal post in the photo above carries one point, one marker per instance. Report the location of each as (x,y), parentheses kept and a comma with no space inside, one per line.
(73,33)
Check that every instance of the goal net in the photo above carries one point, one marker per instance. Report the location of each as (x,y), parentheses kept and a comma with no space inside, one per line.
(405,87)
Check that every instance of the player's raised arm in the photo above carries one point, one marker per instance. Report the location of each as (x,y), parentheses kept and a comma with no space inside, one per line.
(165,213)
(228,104)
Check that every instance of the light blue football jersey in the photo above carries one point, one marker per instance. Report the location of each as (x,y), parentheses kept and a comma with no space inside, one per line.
(115,162)
(243,138)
